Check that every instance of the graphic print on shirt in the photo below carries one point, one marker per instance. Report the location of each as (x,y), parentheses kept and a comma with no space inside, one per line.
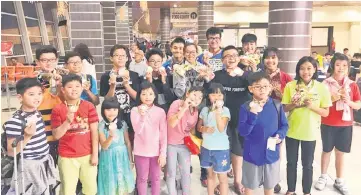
(217,64)
(123,98)
(191,76)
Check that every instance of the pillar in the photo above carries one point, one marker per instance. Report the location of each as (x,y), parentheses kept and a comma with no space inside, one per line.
(130,18)
(122,23)
(164,25)
(354,38)
(289,30)
(109,32)
(205,21)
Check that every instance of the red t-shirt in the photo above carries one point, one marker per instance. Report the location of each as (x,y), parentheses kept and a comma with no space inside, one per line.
(284,79)
(334,118)
(76,142)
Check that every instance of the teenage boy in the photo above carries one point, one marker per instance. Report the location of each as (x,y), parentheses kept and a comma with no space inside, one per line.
(74,64)
(176,47)
(75,124)
(249,48)
(47,59)
(263,124)
(158,77)
(27,122)
(213,56)
(345,52)
(235,85)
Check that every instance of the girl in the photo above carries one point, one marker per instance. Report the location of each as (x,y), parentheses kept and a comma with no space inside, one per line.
(278,78)
(306,99)
(215,155)
(336,128)
(115,176)
(150,139)
(182,119)
(87,59)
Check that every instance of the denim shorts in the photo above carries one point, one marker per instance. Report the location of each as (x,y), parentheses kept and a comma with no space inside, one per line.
(219,160)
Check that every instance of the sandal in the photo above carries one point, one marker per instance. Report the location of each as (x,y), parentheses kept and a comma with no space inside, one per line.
(239,190)
(217,190)
(204,182)
(230,174)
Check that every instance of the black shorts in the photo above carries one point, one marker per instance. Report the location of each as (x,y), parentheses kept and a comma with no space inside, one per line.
(336,137)
(236,141)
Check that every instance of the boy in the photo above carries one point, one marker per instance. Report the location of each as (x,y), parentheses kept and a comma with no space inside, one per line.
(75,124)
(213,56)
(139,64)
(27,121)
(74,64)
(47,59)
(177,47)
(263,124)
(249,48)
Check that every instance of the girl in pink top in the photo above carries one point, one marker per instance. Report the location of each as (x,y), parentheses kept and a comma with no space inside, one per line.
(150,138)
(182,119)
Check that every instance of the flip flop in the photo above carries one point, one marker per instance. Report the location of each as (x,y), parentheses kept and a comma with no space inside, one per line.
(230,174)
(217,190)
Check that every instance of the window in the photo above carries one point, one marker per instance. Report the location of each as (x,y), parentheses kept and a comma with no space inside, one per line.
(29,9)
(7,7)
(9,24)
(33,27)
(65,37)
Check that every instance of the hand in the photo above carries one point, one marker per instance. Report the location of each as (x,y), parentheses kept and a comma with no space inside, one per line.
(94,160)
(149,76)
(126,80)
(278,139)
(30,130)
(70,116)
(345,99)
(131,165)
(86,85)
(57,77)
(111,132)
(255,107)
(186,104)
(112,79)
(163,75)
(308,103)
(209,129)
(335,97)
(253,65)
(142,109)
(206,59)
(161,161)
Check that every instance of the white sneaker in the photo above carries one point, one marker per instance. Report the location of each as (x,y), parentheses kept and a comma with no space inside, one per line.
(321,183)
(341,187)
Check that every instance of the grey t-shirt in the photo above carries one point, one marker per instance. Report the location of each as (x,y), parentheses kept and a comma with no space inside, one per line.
(140,68)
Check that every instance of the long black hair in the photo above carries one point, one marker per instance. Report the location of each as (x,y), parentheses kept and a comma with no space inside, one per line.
(146,85)
(303,60)
(109,103)
(84,52)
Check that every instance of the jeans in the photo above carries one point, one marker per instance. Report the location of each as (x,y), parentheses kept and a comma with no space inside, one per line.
(144,165)
(178,154)
(307,155)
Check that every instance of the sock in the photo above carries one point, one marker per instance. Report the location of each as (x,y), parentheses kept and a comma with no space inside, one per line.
(324,176)
(339,180)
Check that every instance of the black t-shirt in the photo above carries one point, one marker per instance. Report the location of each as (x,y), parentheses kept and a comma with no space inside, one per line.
(165,94)
(236,89)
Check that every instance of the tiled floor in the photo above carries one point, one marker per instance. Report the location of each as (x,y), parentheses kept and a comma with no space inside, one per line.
(352,166)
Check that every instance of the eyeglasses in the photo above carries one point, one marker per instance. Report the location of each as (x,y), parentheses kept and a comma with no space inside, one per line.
(119,56)
(48,60)
(155,62)
(231,56)
(214,38)
(191,53)
(75,63)
(259,87)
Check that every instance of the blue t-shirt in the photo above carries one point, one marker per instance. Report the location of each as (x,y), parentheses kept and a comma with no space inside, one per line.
(93,89)
(215,61)
(217,140)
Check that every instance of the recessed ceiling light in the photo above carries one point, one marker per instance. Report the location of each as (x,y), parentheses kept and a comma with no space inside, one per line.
(175,5)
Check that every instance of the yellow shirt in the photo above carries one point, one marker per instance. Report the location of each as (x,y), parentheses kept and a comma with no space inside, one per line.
(304,123)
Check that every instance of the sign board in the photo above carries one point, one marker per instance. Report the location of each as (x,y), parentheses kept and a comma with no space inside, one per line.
(183,15)
(7,48)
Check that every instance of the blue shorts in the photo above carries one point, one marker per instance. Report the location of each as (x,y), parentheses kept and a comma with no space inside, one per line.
(219,160)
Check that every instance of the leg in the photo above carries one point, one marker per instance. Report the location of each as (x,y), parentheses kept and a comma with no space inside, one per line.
(328,144)
(142,169)
(292,158)
(343,145)
(248,191)
(88,176)
(237,171)
(223,182)
(268,192)
(211,179)
(184,161)
(69,169)
(155,175)
(307,156)
(339,163)
(325,161)
(171,169)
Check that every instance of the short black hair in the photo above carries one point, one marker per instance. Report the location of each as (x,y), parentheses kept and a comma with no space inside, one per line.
(71,54)
(154,51)
(109,103)
(45,49)
(270,51)
(345,49)
(125,48)
(146,85)
(214,31)
(303,60)
(257,76)
(26,83)
(338,56)
(249,38)
(178,40)
(70,77)
(327,54)
(229,47)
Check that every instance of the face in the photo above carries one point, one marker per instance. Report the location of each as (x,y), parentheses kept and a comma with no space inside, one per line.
(328,57)
(138,56)
(72,90)
(134,47)
(155,61)
(314,55)
(341,68)
(47,62)
(213,97)
(230,58)
(147,96)
(196,97)
(111,113)
(249,47)
(345,52)
(214,41)
(74,65)
(190,53)
(32,97)
(119,58)
(307,71)
(271,62)
(260,89)
(177,50)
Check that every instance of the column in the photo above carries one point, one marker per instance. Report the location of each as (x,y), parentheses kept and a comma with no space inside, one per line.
(164,25)
(122,23)
(130,18)
(354,37)
(289,30)
(109,32)
(205,21)
(86,27)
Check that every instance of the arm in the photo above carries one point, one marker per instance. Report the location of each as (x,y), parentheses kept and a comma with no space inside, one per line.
(132,93)
(283,125)
(92,93)
(94,138)
(132,89)
(221,121)
(168,94)
(355,105)
(9,141)
(111,90)
(247,121)
(175,115)
(59,129)
(137,120)
(163,135)
(105,142)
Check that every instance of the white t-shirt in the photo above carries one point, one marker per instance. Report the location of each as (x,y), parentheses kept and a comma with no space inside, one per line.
(89,68)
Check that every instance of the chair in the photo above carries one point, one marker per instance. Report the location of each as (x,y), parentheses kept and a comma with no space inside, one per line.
(24,71)
(10,70)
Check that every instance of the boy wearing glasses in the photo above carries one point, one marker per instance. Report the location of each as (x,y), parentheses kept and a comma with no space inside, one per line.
(213,56)
(74,64)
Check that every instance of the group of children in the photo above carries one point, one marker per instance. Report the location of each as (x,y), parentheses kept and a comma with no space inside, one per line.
(146,120)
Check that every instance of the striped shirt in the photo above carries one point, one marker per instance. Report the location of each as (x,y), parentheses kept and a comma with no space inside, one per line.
(37,147)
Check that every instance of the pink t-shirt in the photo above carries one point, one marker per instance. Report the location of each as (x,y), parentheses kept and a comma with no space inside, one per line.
(182,129)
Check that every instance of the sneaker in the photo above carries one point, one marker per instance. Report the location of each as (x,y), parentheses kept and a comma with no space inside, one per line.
(277,188)
(321,183)
(341,187)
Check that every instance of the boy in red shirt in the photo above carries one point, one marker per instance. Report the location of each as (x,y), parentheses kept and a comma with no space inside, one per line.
(75,124)
(336,128)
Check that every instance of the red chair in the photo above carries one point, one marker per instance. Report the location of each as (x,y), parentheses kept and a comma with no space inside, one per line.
(23,72)
(10,70)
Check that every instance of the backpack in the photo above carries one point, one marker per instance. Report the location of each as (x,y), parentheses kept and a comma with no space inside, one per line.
(277,104)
